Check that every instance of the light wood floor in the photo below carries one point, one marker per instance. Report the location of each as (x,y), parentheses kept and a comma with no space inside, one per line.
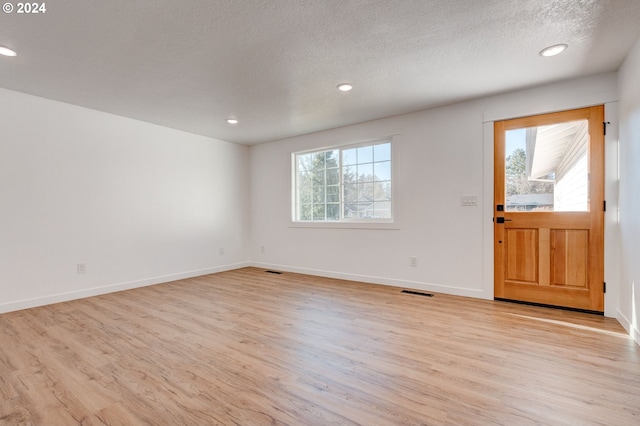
(251,348)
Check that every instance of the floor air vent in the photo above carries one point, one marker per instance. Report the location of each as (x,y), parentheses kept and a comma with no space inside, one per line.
(417,293)
(274,272)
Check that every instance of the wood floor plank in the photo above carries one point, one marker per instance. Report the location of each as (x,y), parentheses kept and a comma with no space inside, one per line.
(246,347)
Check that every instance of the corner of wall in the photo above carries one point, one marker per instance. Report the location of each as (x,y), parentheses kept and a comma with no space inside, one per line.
(633,331)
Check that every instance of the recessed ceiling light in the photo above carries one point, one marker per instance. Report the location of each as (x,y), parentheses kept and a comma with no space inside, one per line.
(7,52)
(345,87)
(232,121)
(554,50)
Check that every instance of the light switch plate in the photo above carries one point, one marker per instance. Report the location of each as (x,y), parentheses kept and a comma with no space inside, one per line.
(469,200)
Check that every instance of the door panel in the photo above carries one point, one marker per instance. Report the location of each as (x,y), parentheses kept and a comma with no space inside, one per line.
(549,194)
(521,246)
(570,257)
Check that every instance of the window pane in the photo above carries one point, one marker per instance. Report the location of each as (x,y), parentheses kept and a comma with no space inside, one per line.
(382,152)
(382,171)
(333,177)
(349,174)
(365,191)
(382,210)
(318,212)
(304,163)
(365,172)
(305,192)
(382,191)
(318,194)
(331,158)
(319,160)
(305,212)
(350,193)
(546,168)
(333,211)
(304,174)
(349,156)
(350,211)
(365,210)
(365,154)
(333,194)
(318,177)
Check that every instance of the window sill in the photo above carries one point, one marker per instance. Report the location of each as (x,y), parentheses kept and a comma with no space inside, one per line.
(346,225)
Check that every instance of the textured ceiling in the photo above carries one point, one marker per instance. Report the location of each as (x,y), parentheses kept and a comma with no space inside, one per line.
(274,64)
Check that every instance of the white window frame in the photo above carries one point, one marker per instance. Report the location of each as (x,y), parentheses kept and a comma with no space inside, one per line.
(354,223)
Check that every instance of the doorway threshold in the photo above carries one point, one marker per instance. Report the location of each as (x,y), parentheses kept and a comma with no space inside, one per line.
(542,305)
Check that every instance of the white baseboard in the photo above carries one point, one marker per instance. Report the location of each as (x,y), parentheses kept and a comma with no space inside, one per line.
(112,288)
(628,325)
(414,285)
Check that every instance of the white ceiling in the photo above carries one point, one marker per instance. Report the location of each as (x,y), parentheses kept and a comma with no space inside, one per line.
(274,64)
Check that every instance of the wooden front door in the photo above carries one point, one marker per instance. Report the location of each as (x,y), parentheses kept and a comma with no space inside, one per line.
(549,209)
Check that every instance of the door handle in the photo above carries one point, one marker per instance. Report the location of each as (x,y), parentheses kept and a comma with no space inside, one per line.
(502,220)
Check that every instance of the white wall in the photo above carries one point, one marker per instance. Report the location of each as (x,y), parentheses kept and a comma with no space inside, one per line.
(142,204)
(137,203)
(629,112)
(443,153)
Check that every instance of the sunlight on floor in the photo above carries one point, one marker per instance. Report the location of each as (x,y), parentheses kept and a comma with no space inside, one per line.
(621,334)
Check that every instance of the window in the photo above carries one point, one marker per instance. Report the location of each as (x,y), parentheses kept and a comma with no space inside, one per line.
(547,167)
(352,183)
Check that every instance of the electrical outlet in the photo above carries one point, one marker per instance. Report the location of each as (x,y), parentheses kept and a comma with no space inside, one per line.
(413,261)
(221,251)
(261,249)
(81,268)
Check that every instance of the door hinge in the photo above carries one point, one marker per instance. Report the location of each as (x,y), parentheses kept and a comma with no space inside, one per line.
(604,287)
(604,127)
(604,205)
